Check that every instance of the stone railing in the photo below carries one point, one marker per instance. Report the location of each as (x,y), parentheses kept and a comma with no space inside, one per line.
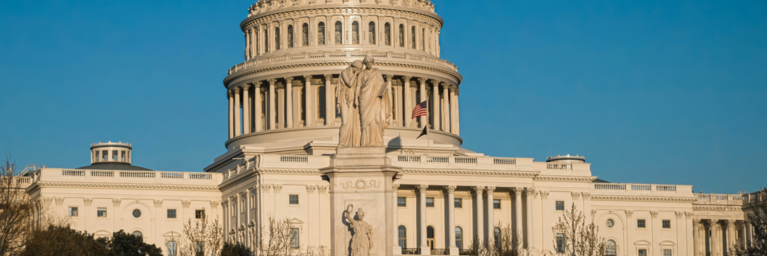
(335,56)
(644,188)
(759,196)
(115,176)
(728,199)
(424,161)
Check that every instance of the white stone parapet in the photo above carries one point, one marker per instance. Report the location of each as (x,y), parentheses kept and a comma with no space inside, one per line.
(133,177)
(719,199)
(631,188)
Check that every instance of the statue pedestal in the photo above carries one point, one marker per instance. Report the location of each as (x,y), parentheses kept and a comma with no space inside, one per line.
(362,177)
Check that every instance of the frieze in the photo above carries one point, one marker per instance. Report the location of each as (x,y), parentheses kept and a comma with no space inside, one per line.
(643,198)
(360,184)
(469,172)
(716,208)
(138,186)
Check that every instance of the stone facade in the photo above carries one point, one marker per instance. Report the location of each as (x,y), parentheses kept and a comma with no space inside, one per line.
(427,196)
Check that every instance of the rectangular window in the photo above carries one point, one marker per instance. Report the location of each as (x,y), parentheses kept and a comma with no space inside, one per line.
(252,202)
(666,223)
(294,238)
(171,213)
(172,248)
(234,209)
(642,252)
(122,156)
(429,202)
(200,249)
(496,203)
(199,214)
(293,199)
(72,211)
(97,156)
(105,155)
(101,212)
(667,252)
(114,155)
(640,223)
(560,243)
(242,206)
(458,203)
(401,202)
(560,205)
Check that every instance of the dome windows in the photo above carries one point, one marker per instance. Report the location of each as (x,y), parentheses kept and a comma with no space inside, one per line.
(372,33)
(321,33)
(355,32)
(339,31)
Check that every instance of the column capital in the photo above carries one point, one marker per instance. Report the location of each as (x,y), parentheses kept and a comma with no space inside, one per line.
(529,191)
(444,84)
(479,189)
(289,79)
(328,76)
(272,81)
(388,77)
(679,214)
(246,86)
(310,189)
(451,188)
(228,93)
(586,195)
(516,190)
(490,189)
(407,78)
(575,195)
(435,82)
(422,187)
(654,214)
(422,80)
(308,78)
(237,90)
(629,213)
(544,194)
(688,214)
(395,186)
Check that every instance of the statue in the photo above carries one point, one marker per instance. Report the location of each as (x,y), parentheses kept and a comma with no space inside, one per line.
(362,239)
(368,111)
(347,101)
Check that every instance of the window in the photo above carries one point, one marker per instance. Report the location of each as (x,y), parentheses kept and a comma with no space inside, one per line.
(666,223)
(136,213)
(667,252)
(642,252)
(305,34)
(496,203)
(355,32)
(101,212)
(429,202)
(252,202)
(294,243)
(610,248)
(266,40)
(290,36)
(172,248)
(122,156)
(72,211)
(640,223)
(199,214)
(136,233)
(171,213)
(560,205)
(243,208)
(458,203)
(97,156)
(430,237)
(497,237)
(560,243)
(372,33)
(387,33)
(233,209)
(200,248)
(321,33)
(114,155)
(402,235)
(401,35)
(459,238)
(339,33)
(277,43)
(412,37)
(610,223)
(293,199)
(423,39)
(401,202)
(105,155)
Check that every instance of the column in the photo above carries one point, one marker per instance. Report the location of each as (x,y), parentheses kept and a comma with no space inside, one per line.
(451,220)
(272,112)
(715,235)
(435,117)
(258,111)
(731,237)
(452,111)
(289,101)
(480,222)
(330,103)
(744,233)
(424,120)
(231,115)
(408,113)
(518,213)
(246,109)
(529,217)
(425,250)
(281,107)
(445,111)
(696,237)
(490,218)
(394,187)
(247,44)
(237,128)
(253,42)
(457,116)
(309,108)
(395,100)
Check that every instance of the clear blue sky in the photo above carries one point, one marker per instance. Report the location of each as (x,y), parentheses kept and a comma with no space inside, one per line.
(669,92)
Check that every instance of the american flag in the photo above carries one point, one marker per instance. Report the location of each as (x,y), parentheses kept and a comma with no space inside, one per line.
(420,110)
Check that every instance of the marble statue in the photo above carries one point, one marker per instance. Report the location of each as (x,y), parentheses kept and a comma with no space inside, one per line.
(346,93)
(362,238)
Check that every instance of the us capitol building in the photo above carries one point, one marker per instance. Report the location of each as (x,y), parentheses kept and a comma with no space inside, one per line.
(420,196)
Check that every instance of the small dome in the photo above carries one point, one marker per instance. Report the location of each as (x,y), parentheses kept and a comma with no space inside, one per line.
(112,156)
(114,166)
(567,158)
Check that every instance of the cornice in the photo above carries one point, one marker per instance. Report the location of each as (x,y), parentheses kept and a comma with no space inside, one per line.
(566,178)
(639,198)
(341,9)
(470,172)
(716,208)
(123,185)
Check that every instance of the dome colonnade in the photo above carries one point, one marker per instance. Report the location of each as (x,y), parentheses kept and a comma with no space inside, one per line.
(295,50)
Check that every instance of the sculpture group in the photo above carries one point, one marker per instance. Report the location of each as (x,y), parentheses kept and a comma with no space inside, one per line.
(363,97)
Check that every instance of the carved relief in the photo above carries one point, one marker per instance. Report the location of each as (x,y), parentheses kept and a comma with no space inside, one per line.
(360,184)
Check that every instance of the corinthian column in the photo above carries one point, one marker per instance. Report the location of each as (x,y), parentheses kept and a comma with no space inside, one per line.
(408,102)
(425,250)
(231,114)
(490,218)
(480,222)
(451,220)
(529,207)
(258,111)
(272,105)
(237,131)
(453,129)
(246,108)
(310,106)
(518,212)
(435,117)
(289,101)
(696,237)
(422,91)
(330,102)
(445,110)
(397,250)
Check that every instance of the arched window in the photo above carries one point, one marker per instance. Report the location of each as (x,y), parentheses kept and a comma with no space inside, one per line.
(459,238)
(610,248)
(277,38)
(401,35)
(412,35)
(372,33)
(387,33)
(321,33)
(423,39)
(305,34)
(402,234)
(136,233)
(339,32)
(430,237)
(497,237)
(266,40)
(355,32)
(290,36)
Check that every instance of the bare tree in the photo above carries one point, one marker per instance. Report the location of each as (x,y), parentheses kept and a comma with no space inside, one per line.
(573,237)
(275,239)
(201,238)
(17,210)
(757,220)
(506,243)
